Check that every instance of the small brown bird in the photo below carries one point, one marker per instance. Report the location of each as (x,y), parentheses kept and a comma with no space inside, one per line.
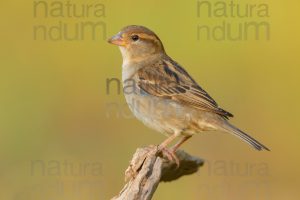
(164,96)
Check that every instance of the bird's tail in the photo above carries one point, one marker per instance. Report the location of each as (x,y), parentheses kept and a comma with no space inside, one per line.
(227,127)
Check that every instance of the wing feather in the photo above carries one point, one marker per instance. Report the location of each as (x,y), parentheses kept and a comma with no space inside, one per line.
(168,80)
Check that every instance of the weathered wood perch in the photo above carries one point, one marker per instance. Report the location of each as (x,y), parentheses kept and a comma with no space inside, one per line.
(148,167)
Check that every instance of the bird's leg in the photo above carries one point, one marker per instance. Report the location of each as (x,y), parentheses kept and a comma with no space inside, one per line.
(167,152)
(165,143)
(177,145)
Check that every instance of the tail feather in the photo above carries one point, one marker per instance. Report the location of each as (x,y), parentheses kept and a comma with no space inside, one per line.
(244,136)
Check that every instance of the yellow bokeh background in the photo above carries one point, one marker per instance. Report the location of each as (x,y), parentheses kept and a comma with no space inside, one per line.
(53,105)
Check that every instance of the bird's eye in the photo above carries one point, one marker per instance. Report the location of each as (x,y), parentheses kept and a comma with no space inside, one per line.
(135,37)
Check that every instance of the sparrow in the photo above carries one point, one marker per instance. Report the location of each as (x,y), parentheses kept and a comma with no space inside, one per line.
(163,95)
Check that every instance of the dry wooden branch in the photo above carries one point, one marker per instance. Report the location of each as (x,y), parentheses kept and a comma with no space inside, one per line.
(148,167)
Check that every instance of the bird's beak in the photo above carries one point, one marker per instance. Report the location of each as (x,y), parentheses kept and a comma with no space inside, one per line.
(117,40)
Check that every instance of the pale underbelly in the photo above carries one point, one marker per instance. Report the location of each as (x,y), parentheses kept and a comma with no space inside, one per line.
(167,116)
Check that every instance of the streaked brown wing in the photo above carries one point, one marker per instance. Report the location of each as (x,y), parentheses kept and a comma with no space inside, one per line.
(167,79)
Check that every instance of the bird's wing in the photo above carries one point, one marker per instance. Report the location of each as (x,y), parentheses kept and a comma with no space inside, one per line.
(166,79)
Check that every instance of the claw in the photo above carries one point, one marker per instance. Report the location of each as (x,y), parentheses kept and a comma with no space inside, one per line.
(170,155)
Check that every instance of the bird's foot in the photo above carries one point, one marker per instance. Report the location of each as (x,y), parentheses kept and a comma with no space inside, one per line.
(170,154)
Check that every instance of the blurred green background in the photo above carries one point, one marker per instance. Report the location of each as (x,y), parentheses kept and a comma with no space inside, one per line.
(59,140)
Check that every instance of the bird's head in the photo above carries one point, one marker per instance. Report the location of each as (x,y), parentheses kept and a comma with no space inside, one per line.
(137,42)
